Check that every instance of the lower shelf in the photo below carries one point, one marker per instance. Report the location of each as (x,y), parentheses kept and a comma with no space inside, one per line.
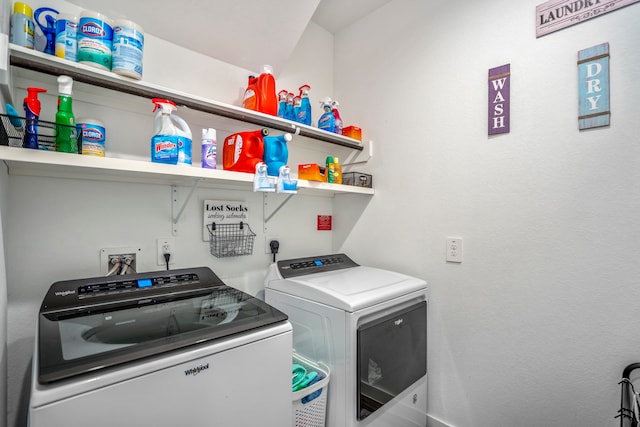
(22,161)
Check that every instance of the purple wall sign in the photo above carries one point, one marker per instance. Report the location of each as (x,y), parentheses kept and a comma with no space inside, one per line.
(555,15)
(499,99)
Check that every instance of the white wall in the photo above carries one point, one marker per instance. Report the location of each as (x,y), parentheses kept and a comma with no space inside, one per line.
(54,228)
(536,325)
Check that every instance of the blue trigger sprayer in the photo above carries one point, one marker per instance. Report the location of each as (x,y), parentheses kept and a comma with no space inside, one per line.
(49,29)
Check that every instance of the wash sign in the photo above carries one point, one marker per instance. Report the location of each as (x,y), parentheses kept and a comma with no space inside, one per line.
(593,87)
(499,99)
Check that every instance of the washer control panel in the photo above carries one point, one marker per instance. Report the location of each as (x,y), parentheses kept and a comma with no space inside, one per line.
(311,265)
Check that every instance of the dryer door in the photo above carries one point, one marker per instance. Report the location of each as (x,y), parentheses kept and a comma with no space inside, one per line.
(392,355)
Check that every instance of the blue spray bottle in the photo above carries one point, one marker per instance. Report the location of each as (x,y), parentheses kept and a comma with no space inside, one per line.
(289,113)
(327,121)
(304,114)
(297,102)
(32,112)
(282,103)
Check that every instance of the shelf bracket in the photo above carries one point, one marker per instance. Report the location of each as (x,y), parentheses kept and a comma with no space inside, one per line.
(360,157)
(266,218)
(175,204)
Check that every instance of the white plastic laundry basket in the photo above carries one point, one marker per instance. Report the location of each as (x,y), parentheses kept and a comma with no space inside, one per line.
(310,403)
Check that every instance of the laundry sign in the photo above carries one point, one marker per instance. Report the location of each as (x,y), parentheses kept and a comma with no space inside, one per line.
(499,99)
(593,87)
(223,212)
(555,15)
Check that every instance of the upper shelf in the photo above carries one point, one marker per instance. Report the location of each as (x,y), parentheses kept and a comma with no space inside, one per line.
(21,161)
(38,61)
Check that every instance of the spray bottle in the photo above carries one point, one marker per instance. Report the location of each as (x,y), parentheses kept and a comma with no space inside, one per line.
(336,115)
(32,112)
(288,113)
(282,102)
(66,132)
(327,120)
(297,102)
(170,144)
(304,114)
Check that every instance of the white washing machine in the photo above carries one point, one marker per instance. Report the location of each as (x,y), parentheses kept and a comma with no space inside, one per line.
(369,326)
(170,348)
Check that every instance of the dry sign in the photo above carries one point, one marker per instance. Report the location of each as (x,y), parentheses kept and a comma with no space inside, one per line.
(555,15)
(593,87)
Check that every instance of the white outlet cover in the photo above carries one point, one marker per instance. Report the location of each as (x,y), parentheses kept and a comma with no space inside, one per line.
(454,249)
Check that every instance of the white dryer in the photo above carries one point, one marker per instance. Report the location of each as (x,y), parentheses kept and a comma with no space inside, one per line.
(369,325)
(169,348)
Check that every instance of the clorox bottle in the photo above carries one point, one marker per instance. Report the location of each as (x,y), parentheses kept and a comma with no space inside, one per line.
(170,144)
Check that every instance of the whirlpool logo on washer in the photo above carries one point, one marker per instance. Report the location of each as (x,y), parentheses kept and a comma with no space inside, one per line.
(64,293)
(196,370)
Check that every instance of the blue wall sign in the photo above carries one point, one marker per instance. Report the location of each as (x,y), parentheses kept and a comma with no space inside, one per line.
(593,87)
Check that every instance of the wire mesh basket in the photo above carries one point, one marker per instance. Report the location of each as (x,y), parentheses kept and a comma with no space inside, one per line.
(12,131)
(227,240)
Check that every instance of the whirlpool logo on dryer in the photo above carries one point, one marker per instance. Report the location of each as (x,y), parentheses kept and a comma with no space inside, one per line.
(64,293)
(196,370)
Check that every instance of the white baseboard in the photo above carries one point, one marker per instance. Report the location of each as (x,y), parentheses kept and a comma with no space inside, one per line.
(434,422)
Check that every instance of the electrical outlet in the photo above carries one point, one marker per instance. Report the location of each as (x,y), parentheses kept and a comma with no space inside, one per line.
(267,240)
(454,249)
(119,260)
(166,245)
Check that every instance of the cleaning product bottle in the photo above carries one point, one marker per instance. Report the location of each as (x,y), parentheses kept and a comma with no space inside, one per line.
(338,119)
(329,165)
(48,28)
(209,148)
(66,36)
(250,99)
(297,102)
(66,138)
(304,114)
(327,120)
(32,112)
(276,153)
(267,98)
(22,26)
(282,102)
(170,144)
(337,171)
(288,114)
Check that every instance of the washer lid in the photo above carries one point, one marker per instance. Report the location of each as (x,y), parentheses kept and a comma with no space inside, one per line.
(350,289)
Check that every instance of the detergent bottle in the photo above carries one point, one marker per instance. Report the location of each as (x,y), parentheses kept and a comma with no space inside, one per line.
(267,98)
(282,102)
(289,114)
(304,113)
(242,151)
(336,116)
(297,102)
(66,138)
(276,152)
(250,99)
(327,121)
(170,144)
(32,112)
(49,27)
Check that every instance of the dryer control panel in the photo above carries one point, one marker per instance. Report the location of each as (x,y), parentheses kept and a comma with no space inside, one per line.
(311,265)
